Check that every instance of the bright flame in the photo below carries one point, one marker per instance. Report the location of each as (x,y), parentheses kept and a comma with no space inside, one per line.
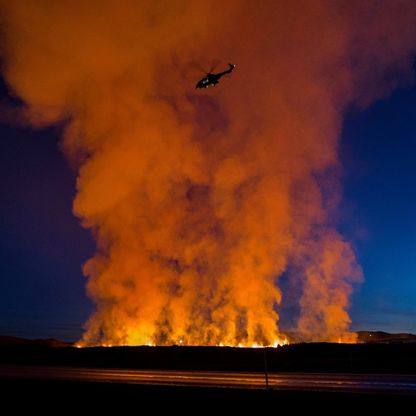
(181,342)
(280,343)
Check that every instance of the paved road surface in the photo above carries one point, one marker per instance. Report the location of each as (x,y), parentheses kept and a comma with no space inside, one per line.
(284,381)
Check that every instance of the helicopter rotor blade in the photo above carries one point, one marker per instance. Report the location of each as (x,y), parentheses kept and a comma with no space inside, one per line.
(197,66)
(215,63)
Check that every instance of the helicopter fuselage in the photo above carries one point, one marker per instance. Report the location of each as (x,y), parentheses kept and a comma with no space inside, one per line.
(212,79)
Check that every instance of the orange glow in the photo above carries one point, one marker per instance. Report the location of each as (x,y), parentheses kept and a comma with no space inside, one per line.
(200,200)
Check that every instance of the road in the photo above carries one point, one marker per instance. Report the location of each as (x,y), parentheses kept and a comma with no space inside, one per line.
(365,383)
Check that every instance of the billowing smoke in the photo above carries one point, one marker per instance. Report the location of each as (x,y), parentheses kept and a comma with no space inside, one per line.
(200,201)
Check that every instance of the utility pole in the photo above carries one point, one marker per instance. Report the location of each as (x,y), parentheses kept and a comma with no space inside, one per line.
(266,375)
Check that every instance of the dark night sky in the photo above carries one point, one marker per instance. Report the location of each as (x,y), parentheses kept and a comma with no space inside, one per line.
(42,289)
(378,153)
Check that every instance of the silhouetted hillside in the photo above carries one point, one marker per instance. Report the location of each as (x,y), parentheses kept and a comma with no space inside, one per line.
(384,337)
(7,341)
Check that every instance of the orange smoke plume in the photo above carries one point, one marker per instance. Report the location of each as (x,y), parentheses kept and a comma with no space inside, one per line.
(199,201)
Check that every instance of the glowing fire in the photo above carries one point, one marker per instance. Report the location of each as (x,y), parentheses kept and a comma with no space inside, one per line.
(181,342)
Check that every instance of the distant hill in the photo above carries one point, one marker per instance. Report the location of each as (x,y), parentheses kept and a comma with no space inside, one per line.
(384,337)
(15,341)
(364,337)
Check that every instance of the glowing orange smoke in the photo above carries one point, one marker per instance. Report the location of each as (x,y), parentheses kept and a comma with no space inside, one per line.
(200,201)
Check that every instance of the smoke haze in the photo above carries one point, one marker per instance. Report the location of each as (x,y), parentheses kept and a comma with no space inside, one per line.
(200,201)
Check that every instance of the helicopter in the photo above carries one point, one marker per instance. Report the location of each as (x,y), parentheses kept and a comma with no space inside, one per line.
(212,79)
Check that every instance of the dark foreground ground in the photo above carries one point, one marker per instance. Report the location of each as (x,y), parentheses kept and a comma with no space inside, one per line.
(395,358)
(56,396)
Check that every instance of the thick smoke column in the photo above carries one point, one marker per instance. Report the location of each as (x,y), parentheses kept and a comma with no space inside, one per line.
(200,201)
